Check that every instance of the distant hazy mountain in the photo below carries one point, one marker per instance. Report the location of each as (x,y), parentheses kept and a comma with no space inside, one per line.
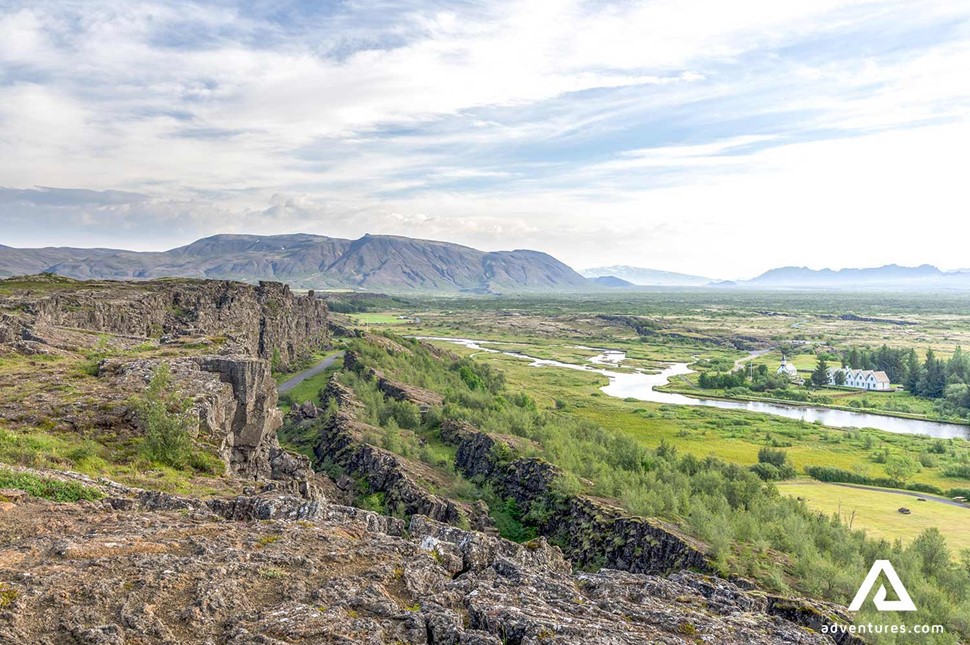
(891,276)
(373,262)
(612,282)
(647,277)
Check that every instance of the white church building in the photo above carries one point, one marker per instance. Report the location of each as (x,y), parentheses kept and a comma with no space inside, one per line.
(787,369)
(861,379)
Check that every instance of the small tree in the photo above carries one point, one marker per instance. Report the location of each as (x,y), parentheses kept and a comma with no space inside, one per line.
(931,551)
(901,468)
(168,424)
(666,450)
(840,377)
(820,376)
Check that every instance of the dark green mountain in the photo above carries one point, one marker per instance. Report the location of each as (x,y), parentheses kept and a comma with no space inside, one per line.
(372,263)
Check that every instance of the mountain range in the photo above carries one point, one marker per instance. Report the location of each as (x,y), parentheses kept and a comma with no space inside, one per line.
(373,263)
(647,277)
(402,264)
(891,276)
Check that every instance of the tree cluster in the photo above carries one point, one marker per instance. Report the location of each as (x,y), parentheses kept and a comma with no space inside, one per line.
(931,378)
(758,379)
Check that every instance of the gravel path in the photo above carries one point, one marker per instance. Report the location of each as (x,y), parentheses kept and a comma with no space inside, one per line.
(929,498)
(292,382)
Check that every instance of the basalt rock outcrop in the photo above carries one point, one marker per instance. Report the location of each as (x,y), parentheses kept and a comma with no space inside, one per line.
(342,443)
(272,567)
(265,320)
(404,483)
(235,400)
(597,535)
(424,399)
(592,532)
(219,339)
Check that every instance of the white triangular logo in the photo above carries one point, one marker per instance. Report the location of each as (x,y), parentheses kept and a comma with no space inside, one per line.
(905,603)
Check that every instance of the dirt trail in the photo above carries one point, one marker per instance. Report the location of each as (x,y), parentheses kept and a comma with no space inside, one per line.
(927,497)
(319,368)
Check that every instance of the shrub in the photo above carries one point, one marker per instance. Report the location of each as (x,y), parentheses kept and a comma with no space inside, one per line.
(666,450)
(373,502)
(405,414)
(767,472)
(925,488)
(168,425)
(961,471)
(838,475)
(776,458)
(832,474)
(773,465)
(509,521)
(938,447)
(927,460)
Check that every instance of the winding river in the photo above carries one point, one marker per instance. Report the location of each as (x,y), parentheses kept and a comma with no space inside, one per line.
(641,386)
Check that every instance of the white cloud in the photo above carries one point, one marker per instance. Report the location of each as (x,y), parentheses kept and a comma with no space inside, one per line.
(698,136)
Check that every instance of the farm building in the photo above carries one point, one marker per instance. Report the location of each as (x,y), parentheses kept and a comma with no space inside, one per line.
(861,379)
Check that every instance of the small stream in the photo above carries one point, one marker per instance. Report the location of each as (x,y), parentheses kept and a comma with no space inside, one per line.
(641,386)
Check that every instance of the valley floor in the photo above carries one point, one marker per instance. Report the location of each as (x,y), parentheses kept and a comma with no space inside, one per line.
(568,332)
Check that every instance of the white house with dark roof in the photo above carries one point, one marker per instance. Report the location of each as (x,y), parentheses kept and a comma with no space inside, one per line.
(861,379)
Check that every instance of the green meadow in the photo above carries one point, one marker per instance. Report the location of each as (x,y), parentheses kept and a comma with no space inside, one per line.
(877,511)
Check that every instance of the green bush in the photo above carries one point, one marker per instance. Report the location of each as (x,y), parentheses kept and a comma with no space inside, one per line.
(169,424)
(773,465)
(927,460)
(508,520)
(961,471)
(767,472)
(838,475)
(373,502)
(776,458)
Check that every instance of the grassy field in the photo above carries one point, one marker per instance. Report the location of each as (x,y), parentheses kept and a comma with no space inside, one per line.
(382,318)
(812,319)
(876,511)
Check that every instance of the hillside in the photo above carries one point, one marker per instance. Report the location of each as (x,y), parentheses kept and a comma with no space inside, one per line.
(371,263)
(613,282)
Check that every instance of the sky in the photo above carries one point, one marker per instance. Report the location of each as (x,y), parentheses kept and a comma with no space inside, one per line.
(708,137)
